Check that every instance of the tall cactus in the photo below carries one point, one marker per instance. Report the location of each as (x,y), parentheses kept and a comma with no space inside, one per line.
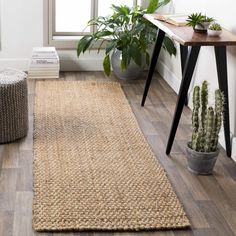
(209,129)
(204,103)
(219,103)
(195,117)
(206,121)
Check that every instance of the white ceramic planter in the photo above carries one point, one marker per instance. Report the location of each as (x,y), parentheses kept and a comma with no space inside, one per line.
(202,28)
(214,33)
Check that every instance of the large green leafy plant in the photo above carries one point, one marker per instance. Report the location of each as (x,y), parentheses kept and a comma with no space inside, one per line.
(128,31)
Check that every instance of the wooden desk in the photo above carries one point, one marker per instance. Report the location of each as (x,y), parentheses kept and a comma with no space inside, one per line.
(190,45)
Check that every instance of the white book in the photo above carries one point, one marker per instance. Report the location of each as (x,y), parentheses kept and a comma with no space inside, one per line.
(43,72)
(174,19)
(44,68)
(45,65)
(44,49)
(44,77)
(44,61)
(40,56)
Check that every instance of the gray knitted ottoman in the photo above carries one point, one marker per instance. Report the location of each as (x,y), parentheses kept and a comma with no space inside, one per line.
(13,105)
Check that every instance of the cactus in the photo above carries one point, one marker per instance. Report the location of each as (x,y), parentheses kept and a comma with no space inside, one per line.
(195,117)
(209,129)
(206,121)
(204,103)
(219,102)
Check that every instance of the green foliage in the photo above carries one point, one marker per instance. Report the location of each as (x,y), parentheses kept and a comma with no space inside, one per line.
(215,26)
(153,5)
(128,31)
(198,19)
(195,19)
(206,121)
(208,19)
(107,65)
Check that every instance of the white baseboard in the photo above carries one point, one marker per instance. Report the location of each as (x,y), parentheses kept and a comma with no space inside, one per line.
(168,76)
(234,149)
(174,83)
(83,64)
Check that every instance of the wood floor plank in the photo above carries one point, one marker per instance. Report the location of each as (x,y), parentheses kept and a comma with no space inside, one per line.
(204,232)
(216,221)
(191,181)
(25,171)
(191,207)
(11,153)
(8,180)
(6,223)
(26,144)
(221,201)
(148,128)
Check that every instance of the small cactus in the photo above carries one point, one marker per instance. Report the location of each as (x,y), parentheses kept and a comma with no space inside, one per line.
(206,121)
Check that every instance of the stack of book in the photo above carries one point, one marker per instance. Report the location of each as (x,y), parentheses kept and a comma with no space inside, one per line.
(44,64)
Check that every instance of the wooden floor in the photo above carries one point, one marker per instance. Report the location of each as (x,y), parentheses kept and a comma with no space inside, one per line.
(210,201)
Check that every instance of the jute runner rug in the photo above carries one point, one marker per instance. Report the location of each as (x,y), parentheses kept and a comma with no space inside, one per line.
(93,169)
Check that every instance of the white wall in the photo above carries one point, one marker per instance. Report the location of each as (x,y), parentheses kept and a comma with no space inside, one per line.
(170,68)
(22,29)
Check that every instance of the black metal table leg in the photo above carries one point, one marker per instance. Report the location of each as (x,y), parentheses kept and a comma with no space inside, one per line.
(187,76)
(221,64)
(183,56)
(155,55)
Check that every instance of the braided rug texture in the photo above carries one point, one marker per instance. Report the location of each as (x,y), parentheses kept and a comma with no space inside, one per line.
(93,169)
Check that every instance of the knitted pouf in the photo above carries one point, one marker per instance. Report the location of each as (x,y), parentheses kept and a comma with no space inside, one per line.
(13,105)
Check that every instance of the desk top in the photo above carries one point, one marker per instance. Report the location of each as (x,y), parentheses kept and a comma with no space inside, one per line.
(187,37)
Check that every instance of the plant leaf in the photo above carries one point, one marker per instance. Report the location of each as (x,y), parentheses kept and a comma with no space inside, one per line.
(163,3)
(110,46)
(84,43)
(125,60)
(153,5)
(107,65)
(136,55)
(147,58)
(169,46)
(103,33)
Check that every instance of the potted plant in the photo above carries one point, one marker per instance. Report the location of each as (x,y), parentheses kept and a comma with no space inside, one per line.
(214,30)
(199,22)
(202,150)
(127,37)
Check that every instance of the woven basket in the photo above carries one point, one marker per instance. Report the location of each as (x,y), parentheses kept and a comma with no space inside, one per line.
(13,105)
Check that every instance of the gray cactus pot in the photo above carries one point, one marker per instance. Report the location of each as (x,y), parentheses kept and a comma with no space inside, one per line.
(133,71)
(201,163)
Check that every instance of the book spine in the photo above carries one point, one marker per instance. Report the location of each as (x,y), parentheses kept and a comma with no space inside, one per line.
(44,61)
(36,56)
